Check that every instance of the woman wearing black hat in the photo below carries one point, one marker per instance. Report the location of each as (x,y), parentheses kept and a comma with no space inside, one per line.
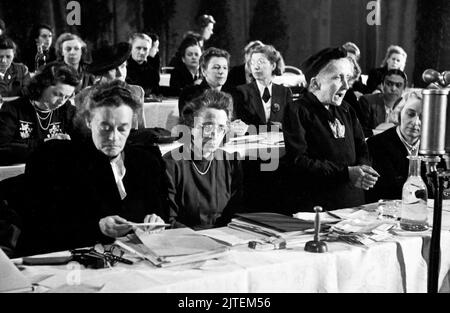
(325,145)
(110,63)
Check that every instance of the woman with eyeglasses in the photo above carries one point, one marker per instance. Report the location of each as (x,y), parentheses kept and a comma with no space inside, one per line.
(262,102)
(44,114)
(84,192)
(205,183)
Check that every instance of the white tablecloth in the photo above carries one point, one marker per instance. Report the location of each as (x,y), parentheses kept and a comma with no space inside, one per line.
(161,114)
(396,266)
(11,171)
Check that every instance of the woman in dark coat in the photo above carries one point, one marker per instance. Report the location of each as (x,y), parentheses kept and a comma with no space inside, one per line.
(263,102)
(325,145)
(44,114)
(205,183)
(390,149)
(187,72)
(82,193)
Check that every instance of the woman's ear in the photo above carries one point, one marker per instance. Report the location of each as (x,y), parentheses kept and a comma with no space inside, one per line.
(88,123)
(314,84)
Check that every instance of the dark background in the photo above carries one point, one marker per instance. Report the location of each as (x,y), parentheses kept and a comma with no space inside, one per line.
(297,28)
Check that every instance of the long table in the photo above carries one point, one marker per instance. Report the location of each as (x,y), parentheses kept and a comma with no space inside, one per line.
(398,265)
(11,171)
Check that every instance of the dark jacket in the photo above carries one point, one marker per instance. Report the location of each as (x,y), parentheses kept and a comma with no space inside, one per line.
(236,76)
(249,108)
(71,186)
(29,58)
(375,78)
(204,201)
(21,132)
(180,78)
(14,81)
(191,92)
(318,161)
(144,75)
(373,111)
(389,159)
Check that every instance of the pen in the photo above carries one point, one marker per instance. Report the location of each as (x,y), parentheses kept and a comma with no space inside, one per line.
(148,224)
(333,215)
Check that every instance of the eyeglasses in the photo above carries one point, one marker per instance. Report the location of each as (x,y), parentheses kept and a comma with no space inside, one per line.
(100,256)
(207,129)
(259,62)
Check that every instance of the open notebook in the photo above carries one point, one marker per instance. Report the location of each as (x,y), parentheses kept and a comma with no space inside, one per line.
(11,279)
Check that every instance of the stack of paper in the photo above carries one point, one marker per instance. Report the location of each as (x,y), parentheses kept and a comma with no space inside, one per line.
(11,279)
(270,224)
(173,247)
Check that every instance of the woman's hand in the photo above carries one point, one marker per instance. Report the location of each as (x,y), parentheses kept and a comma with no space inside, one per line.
(58,137)
(114,226)
(364,176)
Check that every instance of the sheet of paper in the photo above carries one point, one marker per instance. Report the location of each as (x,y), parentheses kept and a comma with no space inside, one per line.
(178,242)
(230,236)
(310,216)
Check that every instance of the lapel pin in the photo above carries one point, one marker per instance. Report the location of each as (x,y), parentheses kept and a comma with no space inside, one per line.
(275,107)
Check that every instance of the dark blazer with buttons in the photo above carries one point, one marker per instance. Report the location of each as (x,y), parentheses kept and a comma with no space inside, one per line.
(249,108)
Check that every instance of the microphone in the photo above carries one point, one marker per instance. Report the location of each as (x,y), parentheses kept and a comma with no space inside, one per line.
(435,79)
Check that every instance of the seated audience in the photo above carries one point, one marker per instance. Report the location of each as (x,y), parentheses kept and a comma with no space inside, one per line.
(187,72)
(325,147)
(390,149)
(110,63)
(241,74)
(41,35)
(379,108)
(395,59)
(13,76)
(205,183)
(72,50)
(154,59)
(82,193)
(214,65)
(263,102)
(139,70)
(44,114)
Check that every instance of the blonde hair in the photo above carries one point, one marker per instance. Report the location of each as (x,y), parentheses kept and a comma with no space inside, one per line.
(390,51)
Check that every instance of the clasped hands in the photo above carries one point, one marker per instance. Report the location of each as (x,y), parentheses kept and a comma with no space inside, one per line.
(363,176)
(116,226)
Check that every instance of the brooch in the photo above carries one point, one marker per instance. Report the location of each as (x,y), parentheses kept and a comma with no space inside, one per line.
(275,107)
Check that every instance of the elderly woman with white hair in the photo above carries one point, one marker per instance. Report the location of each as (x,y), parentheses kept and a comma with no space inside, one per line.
(390,149)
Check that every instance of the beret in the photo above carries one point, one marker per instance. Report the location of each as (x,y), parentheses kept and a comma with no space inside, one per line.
(315,63)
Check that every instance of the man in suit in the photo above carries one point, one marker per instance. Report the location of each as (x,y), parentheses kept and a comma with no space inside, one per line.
(379,108)
(262,102)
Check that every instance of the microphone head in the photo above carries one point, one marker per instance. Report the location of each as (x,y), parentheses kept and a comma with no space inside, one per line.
(430,76)
(446,78)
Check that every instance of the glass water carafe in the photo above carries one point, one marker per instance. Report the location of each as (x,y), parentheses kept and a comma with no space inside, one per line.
(414,214)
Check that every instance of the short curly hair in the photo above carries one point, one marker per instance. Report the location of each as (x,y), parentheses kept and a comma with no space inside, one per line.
(110,94)
(210,99)
(66,37)
(50,75)
(213,52)
(272,55)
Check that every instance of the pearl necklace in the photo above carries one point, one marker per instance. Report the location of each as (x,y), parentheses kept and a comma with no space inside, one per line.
(49,117)
(207,169)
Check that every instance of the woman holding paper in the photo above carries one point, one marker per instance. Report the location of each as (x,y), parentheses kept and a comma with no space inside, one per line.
(205,183)
(88,192)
